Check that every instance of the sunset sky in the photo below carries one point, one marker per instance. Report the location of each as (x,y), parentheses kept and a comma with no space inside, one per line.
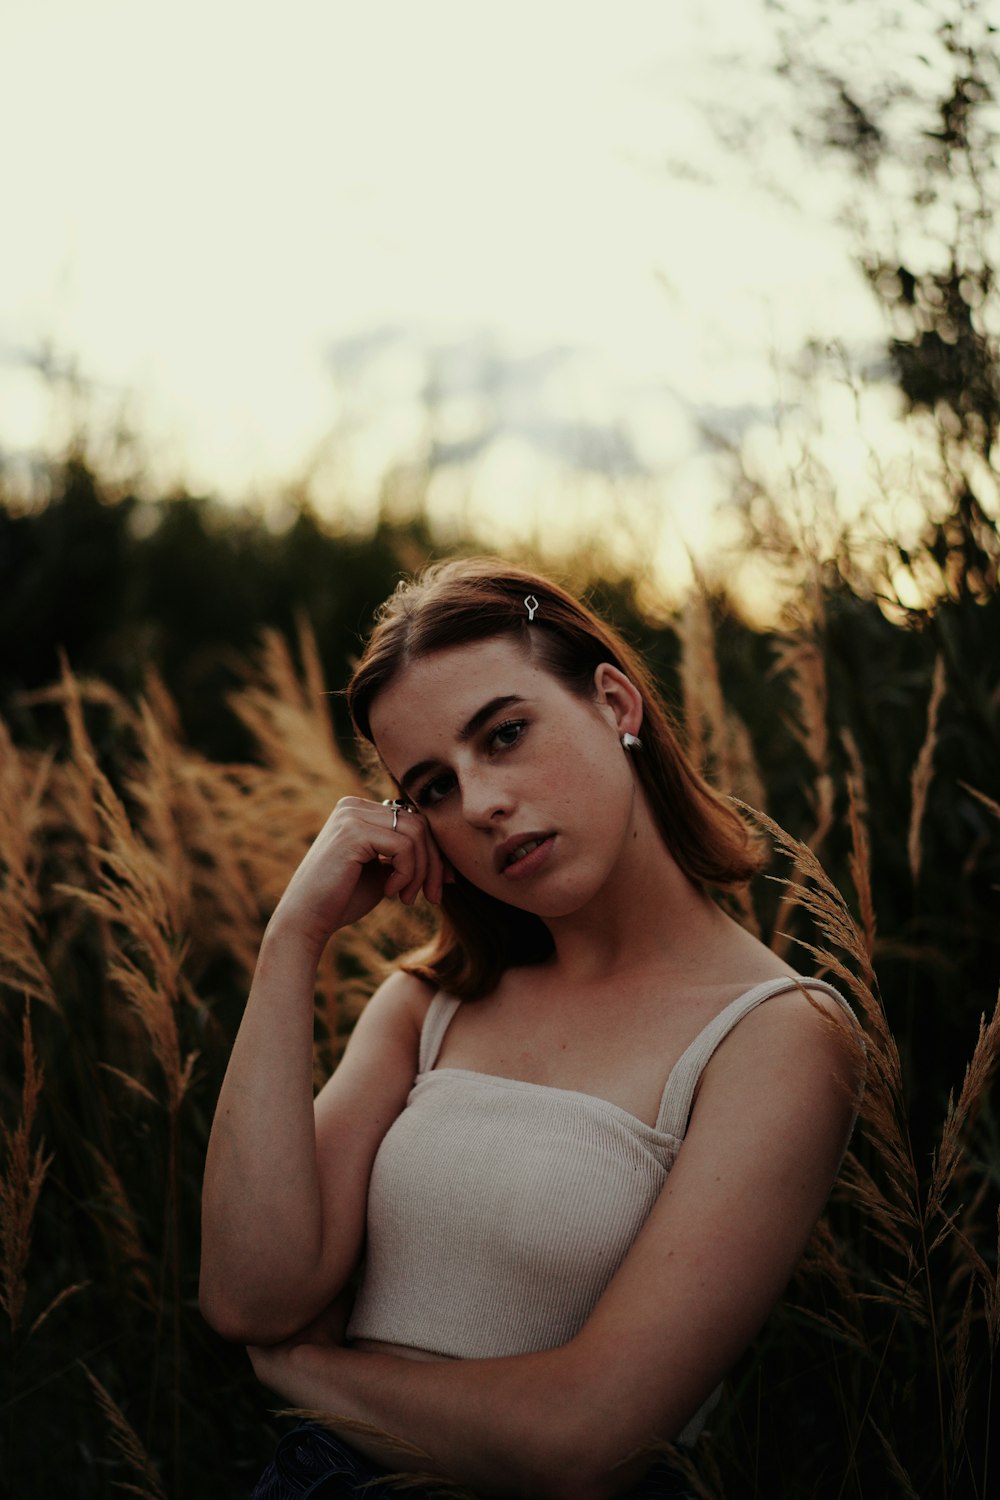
(312,236)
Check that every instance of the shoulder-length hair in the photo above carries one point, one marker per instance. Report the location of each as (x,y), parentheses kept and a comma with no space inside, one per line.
(475,599)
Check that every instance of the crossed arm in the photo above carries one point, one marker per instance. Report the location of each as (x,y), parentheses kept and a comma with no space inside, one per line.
(761,1152)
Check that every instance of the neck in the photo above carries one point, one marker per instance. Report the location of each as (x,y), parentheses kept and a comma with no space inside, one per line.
(647,911)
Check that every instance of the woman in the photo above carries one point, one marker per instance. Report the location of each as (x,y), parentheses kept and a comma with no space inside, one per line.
(546,1292)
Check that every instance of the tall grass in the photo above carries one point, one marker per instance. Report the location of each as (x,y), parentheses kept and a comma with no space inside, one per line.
(137,877)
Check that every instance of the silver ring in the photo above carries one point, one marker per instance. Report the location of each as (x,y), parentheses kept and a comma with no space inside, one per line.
(397,808)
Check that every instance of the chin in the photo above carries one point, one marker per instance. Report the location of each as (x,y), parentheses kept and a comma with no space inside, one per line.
(553,904)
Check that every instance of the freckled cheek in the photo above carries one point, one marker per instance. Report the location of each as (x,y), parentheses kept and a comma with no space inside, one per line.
(459,851)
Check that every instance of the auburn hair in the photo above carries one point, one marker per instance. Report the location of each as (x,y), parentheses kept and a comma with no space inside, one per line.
(474,599)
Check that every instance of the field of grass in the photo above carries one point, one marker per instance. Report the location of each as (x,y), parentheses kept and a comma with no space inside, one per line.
(137,875)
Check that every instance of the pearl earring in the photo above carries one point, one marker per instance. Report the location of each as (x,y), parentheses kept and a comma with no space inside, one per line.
(631,741)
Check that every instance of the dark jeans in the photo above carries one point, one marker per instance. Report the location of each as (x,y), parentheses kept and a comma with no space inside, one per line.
(313,1464)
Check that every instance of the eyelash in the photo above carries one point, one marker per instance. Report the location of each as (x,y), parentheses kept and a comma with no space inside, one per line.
(427,796)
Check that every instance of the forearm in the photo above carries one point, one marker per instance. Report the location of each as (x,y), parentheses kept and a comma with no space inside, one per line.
(261,1214)
(520,1426)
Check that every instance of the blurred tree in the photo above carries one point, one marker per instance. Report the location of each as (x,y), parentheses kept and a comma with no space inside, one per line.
(908,100)
(184,585)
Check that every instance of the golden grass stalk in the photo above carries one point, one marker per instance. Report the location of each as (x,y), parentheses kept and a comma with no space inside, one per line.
(133,901)
(127,1445)
(883,1105)
(714,731)
(894,1467)
(975,1088)
(923,772)
(57,1302)
(911,1221)
(859,859)
(21,1181)
(23,784)
(802,659)
(988,802)
(289,718)
(960,1374)
(120,1223)
(405,1479)
(699,675)
(75,802)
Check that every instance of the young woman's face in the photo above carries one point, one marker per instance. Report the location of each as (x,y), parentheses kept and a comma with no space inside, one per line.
(524,785)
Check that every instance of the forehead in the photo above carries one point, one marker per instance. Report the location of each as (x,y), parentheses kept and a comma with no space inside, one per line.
(439,693)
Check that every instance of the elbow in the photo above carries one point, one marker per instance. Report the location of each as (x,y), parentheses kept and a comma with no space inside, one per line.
(573,1485)
(225,1319)
(238,1321)
(578,1464)
(597,1452)
(585,1477)
(579,1479)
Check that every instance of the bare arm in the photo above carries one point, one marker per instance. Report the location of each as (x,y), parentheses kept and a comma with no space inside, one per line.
(761,1152)
(286,1180)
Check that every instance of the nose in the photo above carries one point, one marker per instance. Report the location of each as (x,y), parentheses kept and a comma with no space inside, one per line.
(485,799)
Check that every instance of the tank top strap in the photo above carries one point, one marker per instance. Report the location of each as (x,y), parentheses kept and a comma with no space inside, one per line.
(436,1022)
(675,1106)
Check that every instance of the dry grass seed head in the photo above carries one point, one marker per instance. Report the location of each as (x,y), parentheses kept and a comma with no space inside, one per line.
(698,673)
(991,1295)
(892,1220)
(893,1465)
(859,859)
(923,771)
(127,1444)
(802,659)
(883,1107)
(988,802)
(290,722)
(975,1087)
(24,782)
(23,1172)
(152,787)
(57,1302)
(711,727)
(227,894)
(71,693)
(143,957)
(118,1221)
(822,1256)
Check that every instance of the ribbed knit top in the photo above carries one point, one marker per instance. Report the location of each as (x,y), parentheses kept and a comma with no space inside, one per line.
(499,1210)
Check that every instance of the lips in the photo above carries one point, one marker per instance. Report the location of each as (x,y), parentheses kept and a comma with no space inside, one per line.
(517,848)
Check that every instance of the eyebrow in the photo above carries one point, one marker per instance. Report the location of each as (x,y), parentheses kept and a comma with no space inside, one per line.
(479,718)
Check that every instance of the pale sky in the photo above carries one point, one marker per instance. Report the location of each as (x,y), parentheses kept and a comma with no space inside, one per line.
(264,228)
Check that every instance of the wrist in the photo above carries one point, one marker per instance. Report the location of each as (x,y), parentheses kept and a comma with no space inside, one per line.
(288,933)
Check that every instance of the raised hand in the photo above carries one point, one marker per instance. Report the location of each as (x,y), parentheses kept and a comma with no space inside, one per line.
(365,852)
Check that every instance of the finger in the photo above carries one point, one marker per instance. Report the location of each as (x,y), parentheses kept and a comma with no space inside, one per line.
(438,871)
(416,831)
(409,857)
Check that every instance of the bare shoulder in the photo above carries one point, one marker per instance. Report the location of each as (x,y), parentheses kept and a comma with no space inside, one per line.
(381,1055)
(801,1021)
(401,1001)
(793,1065)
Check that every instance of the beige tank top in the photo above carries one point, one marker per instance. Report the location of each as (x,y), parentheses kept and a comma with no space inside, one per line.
(499,1210)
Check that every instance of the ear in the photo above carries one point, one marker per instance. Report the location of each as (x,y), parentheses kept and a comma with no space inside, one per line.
(618,696)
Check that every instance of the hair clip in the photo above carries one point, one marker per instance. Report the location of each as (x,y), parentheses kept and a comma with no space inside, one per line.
(531,604)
